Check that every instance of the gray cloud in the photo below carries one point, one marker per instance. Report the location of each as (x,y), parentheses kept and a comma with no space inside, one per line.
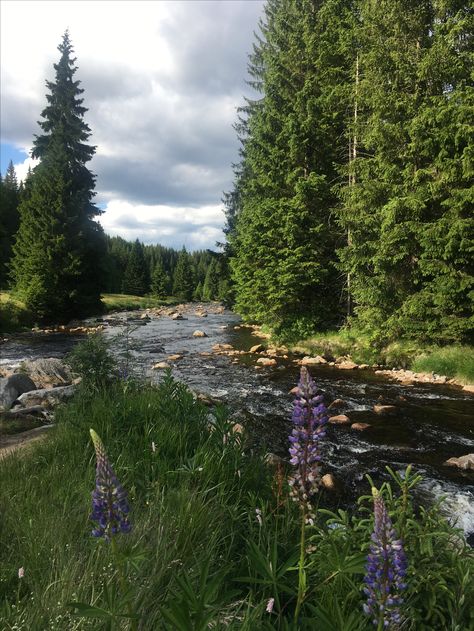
(163,131)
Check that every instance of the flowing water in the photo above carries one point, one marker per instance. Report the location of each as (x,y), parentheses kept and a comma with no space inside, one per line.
(431,423)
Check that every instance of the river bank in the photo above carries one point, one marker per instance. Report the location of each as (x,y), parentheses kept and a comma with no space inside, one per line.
(211,522)
(389,423)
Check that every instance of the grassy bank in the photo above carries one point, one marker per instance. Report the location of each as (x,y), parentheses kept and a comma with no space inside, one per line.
(215,538)
(14,316)
(453,361)
(125,302)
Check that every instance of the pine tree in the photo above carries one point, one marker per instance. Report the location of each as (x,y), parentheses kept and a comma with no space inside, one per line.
(135,281)
(9,219)
(285,237)
(56,266)
(407,208)
(183,281)
(159,281)
(211,283)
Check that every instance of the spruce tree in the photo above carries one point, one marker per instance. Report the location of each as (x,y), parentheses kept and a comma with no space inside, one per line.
(10,193)
(211,283)
(56,267)
(183,281)
(159,281)
(407,207)
(284,237)
(135,279)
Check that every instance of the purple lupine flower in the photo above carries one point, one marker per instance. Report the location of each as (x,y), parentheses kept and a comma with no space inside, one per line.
(385,570)
(309,419)
(110,506)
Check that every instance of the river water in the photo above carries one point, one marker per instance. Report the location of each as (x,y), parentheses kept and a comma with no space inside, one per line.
(431,423)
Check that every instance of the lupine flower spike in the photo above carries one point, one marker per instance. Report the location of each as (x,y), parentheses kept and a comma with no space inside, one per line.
(110,506)
(385,570)
(309,419)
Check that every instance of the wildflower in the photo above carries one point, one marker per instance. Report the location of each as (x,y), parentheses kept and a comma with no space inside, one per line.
(270,604)
(309,419)
(21,572)
(109,499)
(386,570)
(258,514)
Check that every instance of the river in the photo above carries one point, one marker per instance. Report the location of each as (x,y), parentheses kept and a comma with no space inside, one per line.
(431,423)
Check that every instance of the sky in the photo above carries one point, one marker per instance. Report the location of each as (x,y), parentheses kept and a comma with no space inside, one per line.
(162,80)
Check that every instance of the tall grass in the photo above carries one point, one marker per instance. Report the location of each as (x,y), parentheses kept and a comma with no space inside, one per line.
(125,302)
(452,361)
(214,536)
(13,314)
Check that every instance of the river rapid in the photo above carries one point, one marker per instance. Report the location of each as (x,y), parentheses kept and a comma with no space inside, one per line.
(430,424)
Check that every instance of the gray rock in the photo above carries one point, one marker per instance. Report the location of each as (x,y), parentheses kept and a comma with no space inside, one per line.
(46,397)
(48,371)
(463,462)
(11,387)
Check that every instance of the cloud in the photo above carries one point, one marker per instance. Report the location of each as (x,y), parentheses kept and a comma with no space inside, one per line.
(195,228)
(162,81)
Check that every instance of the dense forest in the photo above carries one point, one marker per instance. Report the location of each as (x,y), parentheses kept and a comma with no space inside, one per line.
(353,199)
(125,266)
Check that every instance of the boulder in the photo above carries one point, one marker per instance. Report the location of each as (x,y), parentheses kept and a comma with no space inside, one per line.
(468,389)
(176,316)
(337,403)
(161,366)
(360,427)
(46,397)
(340,419)
(347,365)
(258,348)
(266,361)
(13,386)
(48,371)
(463,462)
(329,482)
(384,409)
(313,361)
(199,334)
(200,314)
(219,348)
(174,358)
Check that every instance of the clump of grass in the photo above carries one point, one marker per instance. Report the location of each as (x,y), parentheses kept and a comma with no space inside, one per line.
(453,361)
(14,316)
(125,302)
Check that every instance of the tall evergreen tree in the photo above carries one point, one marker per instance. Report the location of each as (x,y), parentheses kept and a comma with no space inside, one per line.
(135,280)
(211,282)
(159,281)
(183,282)
(285,238)
(56,264)
(407,206)
(9,219)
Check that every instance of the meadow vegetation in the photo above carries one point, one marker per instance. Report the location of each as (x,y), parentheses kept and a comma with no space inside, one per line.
(215,537)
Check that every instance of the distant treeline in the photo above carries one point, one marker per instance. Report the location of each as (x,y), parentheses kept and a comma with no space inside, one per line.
(125,266)
(134,268)
(353,198)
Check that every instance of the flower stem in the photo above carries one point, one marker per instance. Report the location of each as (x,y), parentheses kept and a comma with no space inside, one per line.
(123,583)
(301,566)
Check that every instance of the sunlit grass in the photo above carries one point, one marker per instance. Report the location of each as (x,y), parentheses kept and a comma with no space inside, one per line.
(452,361)
(119,302)
(13,313)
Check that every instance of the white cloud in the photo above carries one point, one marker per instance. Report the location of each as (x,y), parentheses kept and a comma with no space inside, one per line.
(195,228)
(162,81)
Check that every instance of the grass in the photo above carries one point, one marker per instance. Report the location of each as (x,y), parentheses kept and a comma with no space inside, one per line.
(14,316)
(453,361)
(215,535)
(125,302)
